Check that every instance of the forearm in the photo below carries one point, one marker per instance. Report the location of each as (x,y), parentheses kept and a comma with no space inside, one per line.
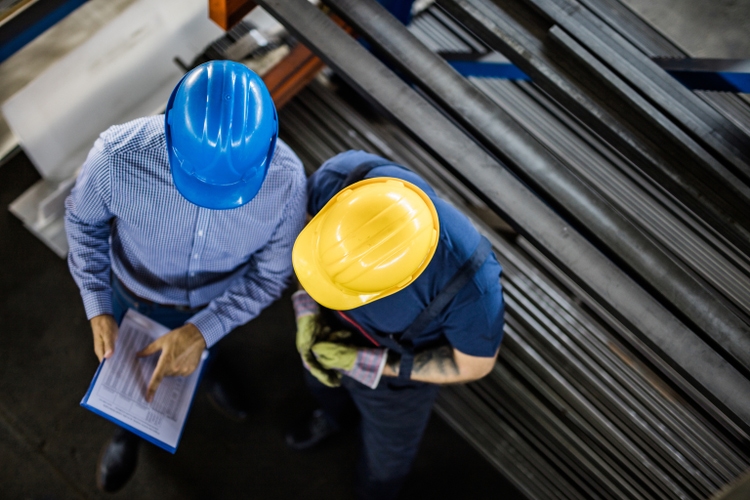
(87,226)
(89,263)
(241,302)
(264,281)
(441,365)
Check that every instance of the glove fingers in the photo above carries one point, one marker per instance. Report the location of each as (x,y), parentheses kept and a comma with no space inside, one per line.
(306,327)
(335,356)
(327,377)
(339,335)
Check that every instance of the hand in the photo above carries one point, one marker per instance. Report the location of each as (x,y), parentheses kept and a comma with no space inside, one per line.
(181,351)
(308,330)
(105,331)
(363,364)
(335,356)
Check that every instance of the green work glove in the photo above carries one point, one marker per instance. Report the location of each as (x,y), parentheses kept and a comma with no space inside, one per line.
(334,356)
(308,332)
(363,364)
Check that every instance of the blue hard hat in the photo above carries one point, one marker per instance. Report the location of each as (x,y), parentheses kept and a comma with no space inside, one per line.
(221,129)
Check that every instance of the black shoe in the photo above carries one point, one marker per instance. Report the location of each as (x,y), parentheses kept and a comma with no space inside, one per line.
(311,431)
(224,399)
(117,461)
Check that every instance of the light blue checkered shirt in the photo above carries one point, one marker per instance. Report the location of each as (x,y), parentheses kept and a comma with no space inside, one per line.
(125,216)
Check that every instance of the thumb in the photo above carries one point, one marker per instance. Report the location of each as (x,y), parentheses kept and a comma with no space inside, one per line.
(108,343)
(156,379)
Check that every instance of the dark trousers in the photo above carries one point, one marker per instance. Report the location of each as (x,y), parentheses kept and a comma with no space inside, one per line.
(393,419)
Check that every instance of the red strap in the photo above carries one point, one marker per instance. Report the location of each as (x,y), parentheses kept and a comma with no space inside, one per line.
(359,328)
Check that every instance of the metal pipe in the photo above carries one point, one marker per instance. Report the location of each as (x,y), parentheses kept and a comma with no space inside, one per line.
(665,164)
(503,135)
(720,381)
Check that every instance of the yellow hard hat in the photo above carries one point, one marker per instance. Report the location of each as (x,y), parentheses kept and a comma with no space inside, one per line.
(369,241)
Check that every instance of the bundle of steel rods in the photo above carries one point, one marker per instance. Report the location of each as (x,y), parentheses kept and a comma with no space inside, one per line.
(612,381)
(569,406)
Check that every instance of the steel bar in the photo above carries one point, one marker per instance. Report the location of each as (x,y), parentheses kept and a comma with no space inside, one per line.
(575,152)
(649,112)
(730,275)
(633,420)
(720,382)
(451,25)
(632,371)
(519,44)
(664,91)
(608,365)
(732,106)
(490,414)
(504,457)
(504,136)
(695,225)
(589,437)
(633,28)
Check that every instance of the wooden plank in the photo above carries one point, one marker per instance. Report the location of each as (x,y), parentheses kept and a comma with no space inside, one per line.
(227,13)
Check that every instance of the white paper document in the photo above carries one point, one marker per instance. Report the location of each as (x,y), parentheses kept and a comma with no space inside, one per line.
(118,390)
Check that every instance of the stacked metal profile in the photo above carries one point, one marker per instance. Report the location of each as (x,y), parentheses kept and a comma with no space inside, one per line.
(579,405)
(569,411)
(612,174)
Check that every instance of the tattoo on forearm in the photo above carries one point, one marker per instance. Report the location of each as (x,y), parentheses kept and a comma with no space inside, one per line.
(439,360)
(393,361)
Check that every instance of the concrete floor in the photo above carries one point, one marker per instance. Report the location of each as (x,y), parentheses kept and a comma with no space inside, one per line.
(49,445)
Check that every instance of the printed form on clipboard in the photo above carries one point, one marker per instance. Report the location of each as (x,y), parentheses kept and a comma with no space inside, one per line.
(118,390)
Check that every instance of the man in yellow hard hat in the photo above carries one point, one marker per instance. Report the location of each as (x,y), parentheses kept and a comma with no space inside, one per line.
(410,298)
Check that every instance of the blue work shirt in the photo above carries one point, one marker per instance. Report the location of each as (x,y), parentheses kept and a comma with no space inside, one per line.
(473,321)
(126,216)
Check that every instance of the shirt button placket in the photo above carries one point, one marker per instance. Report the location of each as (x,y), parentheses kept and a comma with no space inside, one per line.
(198,247)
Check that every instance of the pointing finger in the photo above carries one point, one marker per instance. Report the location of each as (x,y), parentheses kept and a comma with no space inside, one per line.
(150,349)
(156,379)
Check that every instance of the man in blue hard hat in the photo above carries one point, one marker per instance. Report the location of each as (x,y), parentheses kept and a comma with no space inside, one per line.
(189,218)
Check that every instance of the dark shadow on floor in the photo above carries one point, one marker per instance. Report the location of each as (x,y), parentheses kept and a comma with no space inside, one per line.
(49,444)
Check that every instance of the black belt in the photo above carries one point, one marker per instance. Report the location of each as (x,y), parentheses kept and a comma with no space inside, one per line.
(152,303)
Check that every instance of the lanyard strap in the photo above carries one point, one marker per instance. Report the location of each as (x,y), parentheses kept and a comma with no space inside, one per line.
(464,274)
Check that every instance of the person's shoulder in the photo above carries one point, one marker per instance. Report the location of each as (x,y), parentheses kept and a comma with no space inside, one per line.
(458,241)
(286,163)
(284,158)
(137,135)
(346,161)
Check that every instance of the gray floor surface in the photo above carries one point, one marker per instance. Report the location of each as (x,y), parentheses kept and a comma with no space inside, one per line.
(49,445)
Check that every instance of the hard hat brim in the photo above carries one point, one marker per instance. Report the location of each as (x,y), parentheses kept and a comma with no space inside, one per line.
(310,276)
(217,197)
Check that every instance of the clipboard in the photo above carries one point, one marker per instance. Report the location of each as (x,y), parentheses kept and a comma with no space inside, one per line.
(118,389)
